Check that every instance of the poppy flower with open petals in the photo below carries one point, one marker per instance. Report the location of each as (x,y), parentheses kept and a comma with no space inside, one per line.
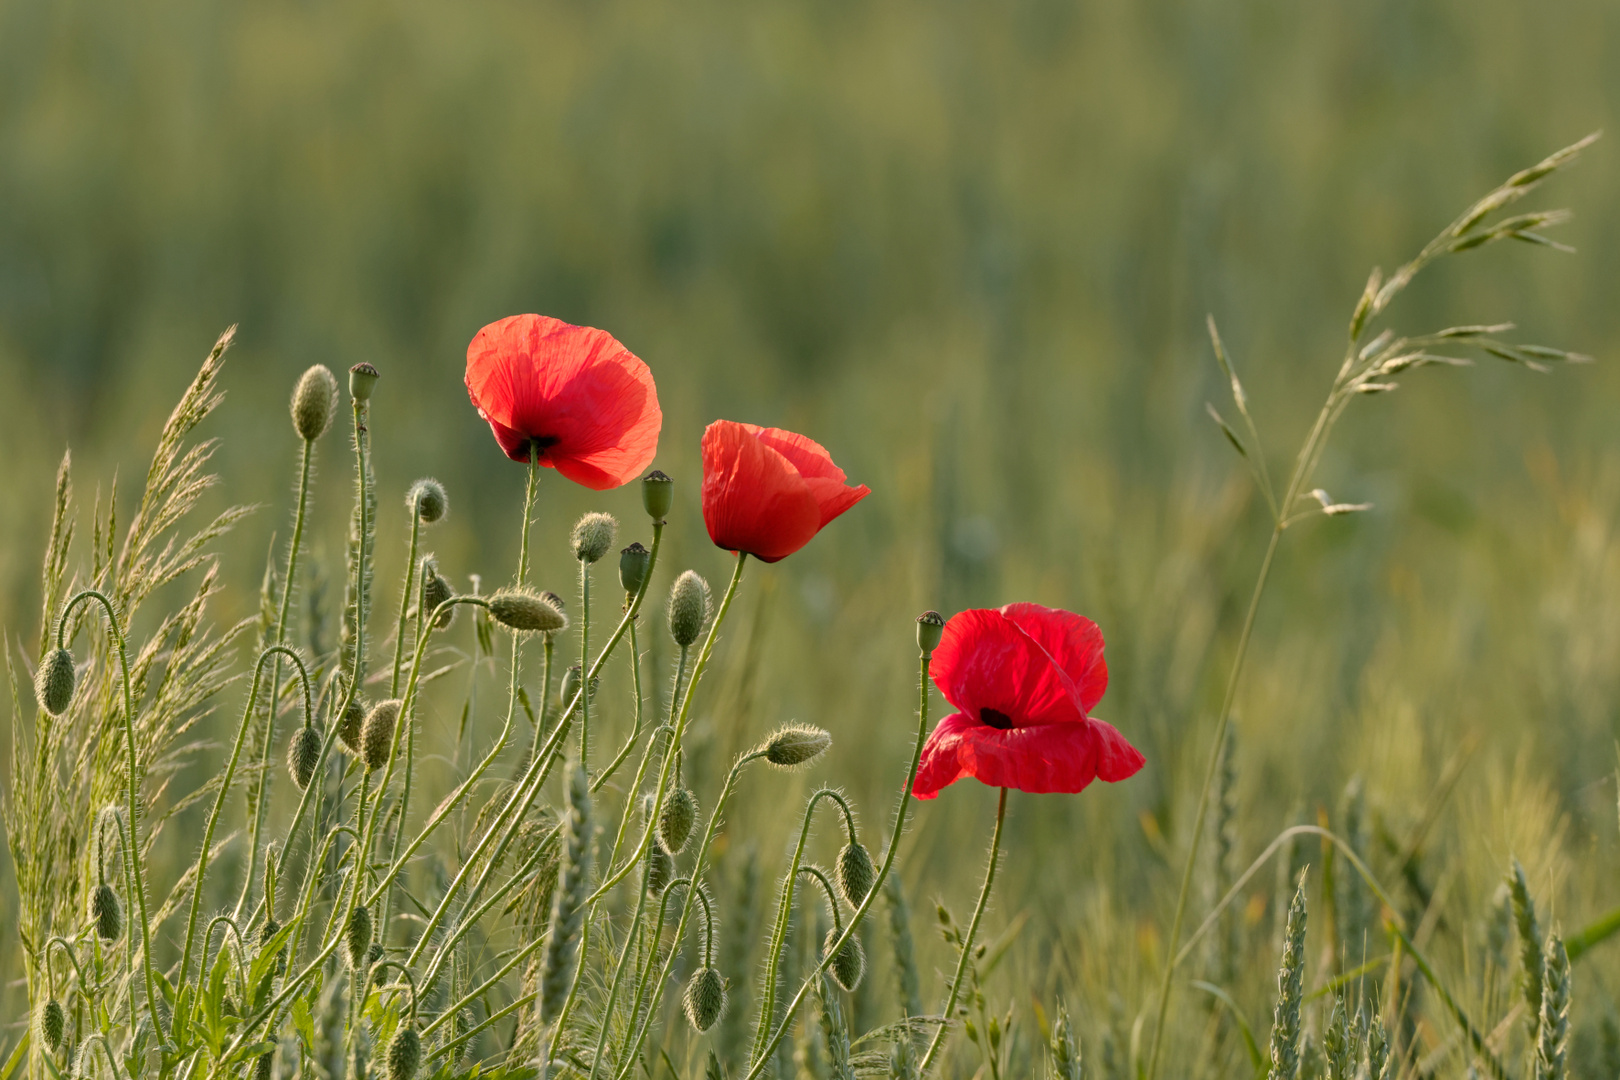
(1025,679)
(767,492)
(571,394)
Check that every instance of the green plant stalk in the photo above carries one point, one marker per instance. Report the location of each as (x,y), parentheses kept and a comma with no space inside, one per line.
(967,943)
(405,604)
(132,852)
(631,936)
(635,730)
(545,699)
(855,920)
(410,765)
(483,988)
(585,686)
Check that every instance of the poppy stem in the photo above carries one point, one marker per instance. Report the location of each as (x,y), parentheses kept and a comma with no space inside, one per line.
(972,934)
(405,603)
(584,665)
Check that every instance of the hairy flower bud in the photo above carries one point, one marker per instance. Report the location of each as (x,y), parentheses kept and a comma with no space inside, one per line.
(313,402)
(854,873)
(303,753)
(49,1023)
(705,998)
(404,1053)
(633,563)
(930,627)
(427,500)
(657,494)
(107,913)
(354,718)
(849,963)
(53,682)
(435,591)
(688,608)
(796,744)
(526,612)
(593,536)
(676,818)
(377,735)
(357,937)
(660,870)
(362,380)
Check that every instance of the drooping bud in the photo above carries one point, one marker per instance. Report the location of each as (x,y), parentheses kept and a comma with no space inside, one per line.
(354,718)
(107,913)
(676,818)
(435,591)
(796,744)
(526,612)
(264,1066)
(854,873)
(930,627)
(849,962)
(357,936)
(375,954)
(362,380)
(303,753)
(688,608)
(657,494)
(313,402)
(377,735)
(633,563)
(404,1053)
(49,1023)
(593,536)
(660,870)
(54,681)
(427,500)
(705,998)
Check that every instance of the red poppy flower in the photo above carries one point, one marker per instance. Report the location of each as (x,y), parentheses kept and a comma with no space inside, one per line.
(1025,678)
(572,394)
(767,491)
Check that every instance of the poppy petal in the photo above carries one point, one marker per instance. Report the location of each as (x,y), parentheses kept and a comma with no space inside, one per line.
(1050,758)
(834,494)
(1073,641)
(1117,759)
(940,763)
(986,661)
(753,498)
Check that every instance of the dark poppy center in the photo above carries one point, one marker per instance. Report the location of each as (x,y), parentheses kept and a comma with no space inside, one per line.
(539,444)
(995,718)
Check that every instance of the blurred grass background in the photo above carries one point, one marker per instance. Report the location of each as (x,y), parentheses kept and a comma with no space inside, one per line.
(970,249)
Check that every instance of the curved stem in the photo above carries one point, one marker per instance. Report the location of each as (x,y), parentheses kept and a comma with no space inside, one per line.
(967,943)
(409,979)
(405,604)
(832,897)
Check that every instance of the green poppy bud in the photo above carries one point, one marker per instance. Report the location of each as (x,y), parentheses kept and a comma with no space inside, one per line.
(854,873)
(54,681)
(526,612)
(633,564)
(593,536)
(357,937)
(106,912)
(705,998)
(264,1066)
(570,684)
(354,718)
(435,591)
(374,955)
(49,1023)
(427,500)
(362,379)
(796,744)
(688,608)
(676,818)
(303,753)
(313,402)
(657,494)
(849,963)
(930,626)
(404,1054)
(660,870)
(377,735)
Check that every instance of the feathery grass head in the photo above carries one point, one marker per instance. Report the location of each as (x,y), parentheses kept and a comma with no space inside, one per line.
(1531,959)
(362,381)
(593,535)
(303,754)
(705,998)
(657,494)
(1552,1040)
(795,745)
(54,682)
(427,500)
(688,608)
(377,734)
(1064,1062)
(314,401)
(1285,1024)
(526,612)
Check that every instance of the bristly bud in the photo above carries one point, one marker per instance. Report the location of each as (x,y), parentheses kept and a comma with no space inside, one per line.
(657,494)
(849,962)
(362,380)
(435,591)
(676,818)
(633,563)
(526,612)
(107,913)
(688,608)
(49,1023)
(796,744)
(264,1066)
(404,1053)
(54,681)
(357,937)
(354,718)
(303,753)
(930,627)
(1552,1041)
(313,402)
(570,684)
(854,873)
(705,998)
(593,536)
(660,870)
(713,1070)
(427,500)
(375,954)
(377,735)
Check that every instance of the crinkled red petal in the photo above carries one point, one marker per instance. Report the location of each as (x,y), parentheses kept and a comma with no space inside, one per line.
(754,500)
(1046,759)
(986,661)
(1074,642)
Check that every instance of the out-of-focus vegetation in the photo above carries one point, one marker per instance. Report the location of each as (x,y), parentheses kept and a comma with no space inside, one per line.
(969,248)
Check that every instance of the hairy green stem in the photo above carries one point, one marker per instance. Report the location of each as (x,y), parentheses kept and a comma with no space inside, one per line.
(405,604)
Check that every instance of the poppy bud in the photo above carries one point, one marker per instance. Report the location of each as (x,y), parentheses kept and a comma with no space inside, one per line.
(357,936)
(404,1054)
(660,870)
(657,494)
(53,682)
(427,500)
(374,955)
(107,913)
(675,820)
(265,1066)
(362,378)
(930,627)
(796,744)
(435,591)
(526,612)
(849,963)
(377,735)
(570,684)
(354,717)
(49,1023)
(303,753)
(705,998)
(633,563)
(313,401)
(688,608)
(854,873)
(593,536)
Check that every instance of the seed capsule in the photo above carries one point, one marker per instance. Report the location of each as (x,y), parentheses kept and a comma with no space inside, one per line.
(303,753)
(705,998)
(855,873)
(362,380)
(593,536)
(354,718)
(313,402)
(930,627)
(404,1054)
(526,612)
(107,913)
(657,494)
(50,1022)
(427,500)
(796,744)
(377,735)
(676,818)
(849,963)
(54,681)
(633,563)
(357,937)
(688,608)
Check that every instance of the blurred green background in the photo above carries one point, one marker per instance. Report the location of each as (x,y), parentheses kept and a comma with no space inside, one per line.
(970,249)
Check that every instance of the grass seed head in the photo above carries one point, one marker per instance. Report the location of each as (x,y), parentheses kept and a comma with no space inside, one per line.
(404,1053)
(593,535)
(107,913)
(657,494)
(688,608)
(854,873)
(849,963)
(676,818)
(427,500)
(54,681)
(362,381)
(314,401)
(526,612)
(633,564)
(377,735)
(303,753)
(796,744)
(705,998)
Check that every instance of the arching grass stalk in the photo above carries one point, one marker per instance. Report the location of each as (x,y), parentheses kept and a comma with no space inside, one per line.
(132,852)
(274,652)
(967,943)
(405,602)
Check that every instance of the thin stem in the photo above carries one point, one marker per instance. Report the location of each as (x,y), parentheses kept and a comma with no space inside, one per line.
(972,935)
(635,731)
(585,662)
(545,699)
(405,603)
